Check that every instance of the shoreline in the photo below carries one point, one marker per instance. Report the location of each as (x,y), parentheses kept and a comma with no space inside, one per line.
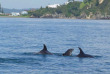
(45,18)
(13,17)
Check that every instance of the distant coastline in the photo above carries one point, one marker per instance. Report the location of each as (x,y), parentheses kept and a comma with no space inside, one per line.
(88,9)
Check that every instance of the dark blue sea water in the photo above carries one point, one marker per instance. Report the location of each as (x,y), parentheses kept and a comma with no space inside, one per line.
(20,38)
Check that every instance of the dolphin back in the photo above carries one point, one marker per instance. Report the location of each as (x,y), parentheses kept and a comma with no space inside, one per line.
(44,50)
(82,54)
(68,52)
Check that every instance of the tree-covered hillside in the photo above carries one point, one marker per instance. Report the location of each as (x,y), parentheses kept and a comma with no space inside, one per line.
(74,9)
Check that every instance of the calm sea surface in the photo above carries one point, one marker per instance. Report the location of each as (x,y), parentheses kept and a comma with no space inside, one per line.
(20,38)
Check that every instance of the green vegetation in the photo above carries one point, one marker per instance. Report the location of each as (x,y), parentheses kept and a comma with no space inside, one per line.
(71,9)
(82,5)
(75,9)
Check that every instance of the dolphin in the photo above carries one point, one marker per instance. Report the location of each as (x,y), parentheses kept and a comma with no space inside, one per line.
(68,52)
(44,50)
(82,54)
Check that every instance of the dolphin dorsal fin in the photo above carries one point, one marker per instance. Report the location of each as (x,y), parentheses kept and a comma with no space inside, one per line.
(45,48)
(81,51)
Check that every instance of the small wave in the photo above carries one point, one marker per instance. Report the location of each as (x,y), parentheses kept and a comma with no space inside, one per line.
(10,60)
(107,62)
(29,53)
(22,61)
(96,56)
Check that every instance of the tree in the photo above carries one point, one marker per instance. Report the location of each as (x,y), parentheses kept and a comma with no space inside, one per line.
(85,1)
(0,8)
(97,2)
(2,11)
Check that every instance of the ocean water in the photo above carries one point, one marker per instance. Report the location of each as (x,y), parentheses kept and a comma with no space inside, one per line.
(20,38)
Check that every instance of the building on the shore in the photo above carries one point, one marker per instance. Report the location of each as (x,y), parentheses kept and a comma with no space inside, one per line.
(53,6)
(66,3)
(69,1)
(15,14)
(24,13)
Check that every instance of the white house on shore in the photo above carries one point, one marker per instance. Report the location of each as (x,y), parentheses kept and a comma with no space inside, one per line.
(66,3)
(15,14)
(24,12)
(53,6)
